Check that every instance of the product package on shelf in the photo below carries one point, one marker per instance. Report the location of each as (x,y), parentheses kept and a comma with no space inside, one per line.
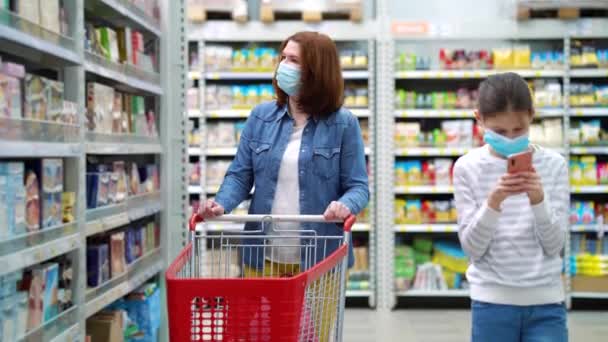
(30,11)
(98,264)
(589,263)
(430,265)
(584,54)
(417,211)
(118,263)
(100,101)
(35,98)
(428,172)
(14,204)
(452,133)
(11,77)
(52,189)
(50,15)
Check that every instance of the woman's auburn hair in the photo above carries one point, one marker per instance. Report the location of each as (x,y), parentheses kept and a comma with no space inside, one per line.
(322,87)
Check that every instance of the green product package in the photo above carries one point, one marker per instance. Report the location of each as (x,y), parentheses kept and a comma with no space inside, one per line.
(423,245)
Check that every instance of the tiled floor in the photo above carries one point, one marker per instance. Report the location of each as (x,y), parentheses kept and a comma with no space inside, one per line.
(362,325)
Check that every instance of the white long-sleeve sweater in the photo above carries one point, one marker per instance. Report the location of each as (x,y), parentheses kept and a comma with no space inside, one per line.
(514,252)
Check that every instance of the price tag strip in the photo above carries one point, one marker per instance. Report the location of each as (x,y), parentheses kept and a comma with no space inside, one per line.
(37,254)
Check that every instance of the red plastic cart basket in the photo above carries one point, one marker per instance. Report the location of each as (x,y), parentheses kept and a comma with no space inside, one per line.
(213,295)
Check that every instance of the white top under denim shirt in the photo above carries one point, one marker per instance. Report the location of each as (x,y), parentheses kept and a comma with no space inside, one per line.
(287,202)
(515,253)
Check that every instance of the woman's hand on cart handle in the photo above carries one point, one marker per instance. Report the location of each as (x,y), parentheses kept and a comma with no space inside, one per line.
(336,211)
(211,209)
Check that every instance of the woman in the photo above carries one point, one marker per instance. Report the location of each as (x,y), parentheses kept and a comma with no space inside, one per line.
(303,153)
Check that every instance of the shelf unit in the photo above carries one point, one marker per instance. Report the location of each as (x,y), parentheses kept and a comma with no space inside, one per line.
(388,114)
(21,138)
(227,33)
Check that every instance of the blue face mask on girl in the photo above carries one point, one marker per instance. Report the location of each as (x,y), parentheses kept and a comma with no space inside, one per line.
(506,146)
(288,78)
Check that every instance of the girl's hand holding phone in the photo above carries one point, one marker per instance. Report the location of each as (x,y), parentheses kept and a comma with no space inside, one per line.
(528,182)
(533,186)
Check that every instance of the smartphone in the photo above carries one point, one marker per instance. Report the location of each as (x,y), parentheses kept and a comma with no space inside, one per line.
(520,162)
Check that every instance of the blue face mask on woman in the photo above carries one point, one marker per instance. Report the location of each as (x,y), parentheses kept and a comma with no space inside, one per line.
(288,78)
(506,146)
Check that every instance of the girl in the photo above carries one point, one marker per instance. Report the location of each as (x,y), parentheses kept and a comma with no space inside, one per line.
(512,226)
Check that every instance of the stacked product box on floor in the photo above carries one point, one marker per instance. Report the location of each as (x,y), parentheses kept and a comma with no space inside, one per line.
(109,255)
(589,263)
(34,296)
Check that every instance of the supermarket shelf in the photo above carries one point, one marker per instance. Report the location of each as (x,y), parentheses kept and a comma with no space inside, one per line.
(243,76)
(431,151)
(358,293)
(593,189)
(121,12)
(57,49)
(194,75)
(106,218)
(231,31)
(473,74)
(63,327)
(434,113)
(589,111)
(130,78)
(193,189)
(221,152)
(589,150)
(137,274)
(589,73)
(32,138)
(121,144)
(39,250)
(464,113)
(581,228)
(589,295)
(194,151)
(438,293)
(423,189)
(244,113)
(194,114)
(426,228)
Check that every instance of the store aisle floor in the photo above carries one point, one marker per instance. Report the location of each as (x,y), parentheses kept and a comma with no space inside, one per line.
(363,325)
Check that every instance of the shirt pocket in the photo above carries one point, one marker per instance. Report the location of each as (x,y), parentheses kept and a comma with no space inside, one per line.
(259,155)
(326,161)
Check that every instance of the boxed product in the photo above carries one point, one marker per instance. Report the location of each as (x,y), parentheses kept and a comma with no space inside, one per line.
(117,114)
(21,311)
(138,110)
(8,322)
(4,208)
(106,326)
(100,103)
(118,263)
(28,10)
(125,49)
(98,265)
(36,100)
(49,15)
(51,287)
(36,298)
(14,197)
(70,113)
(10,96)
(52,188)
(54,100)
(109,43)
(68,201)
(32,201)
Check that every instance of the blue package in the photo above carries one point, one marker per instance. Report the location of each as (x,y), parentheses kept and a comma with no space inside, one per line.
(51,287)
(14,198)
(98,265)
(130,246)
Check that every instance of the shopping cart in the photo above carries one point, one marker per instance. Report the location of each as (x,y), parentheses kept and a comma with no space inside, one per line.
(214,295)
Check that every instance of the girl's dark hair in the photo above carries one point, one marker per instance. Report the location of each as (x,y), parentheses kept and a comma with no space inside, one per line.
(506,92)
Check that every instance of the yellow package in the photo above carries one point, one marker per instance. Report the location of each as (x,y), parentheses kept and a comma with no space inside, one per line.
(68,200)
(413,212)
(589,170)
(400,211)
(503,58)
(521,57)
(576,172)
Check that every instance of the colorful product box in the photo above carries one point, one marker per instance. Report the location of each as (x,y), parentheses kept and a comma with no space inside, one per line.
(54,100)
(4,208)
(51,288)
(35,298)
(52,188)
(98,265)
(117,254)
(10,96)
(35,98)
(15,196)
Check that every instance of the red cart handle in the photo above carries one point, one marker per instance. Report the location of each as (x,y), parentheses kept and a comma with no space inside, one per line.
(197,218)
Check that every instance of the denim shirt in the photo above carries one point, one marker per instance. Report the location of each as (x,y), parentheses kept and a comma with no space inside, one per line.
(331,167)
